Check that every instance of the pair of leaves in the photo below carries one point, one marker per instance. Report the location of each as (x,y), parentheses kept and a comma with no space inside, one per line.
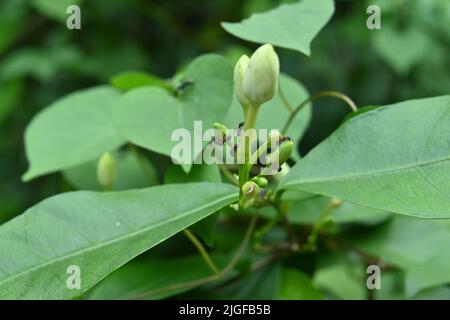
(395,158)
(291,26)
(148,116)
(98,232)
(79,127)
(73,130)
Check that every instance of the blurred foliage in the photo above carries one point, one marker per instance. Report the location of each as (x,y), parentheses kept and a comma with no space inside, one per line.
(41,60)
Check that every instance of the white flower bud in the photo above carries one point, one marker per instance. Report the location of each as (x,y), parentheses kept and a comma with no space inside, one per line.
(239,71)
(106,171)
(261,77)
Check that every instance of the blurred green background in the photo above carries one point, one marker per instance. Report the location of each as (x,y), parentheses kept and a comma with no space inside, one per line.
(41,60)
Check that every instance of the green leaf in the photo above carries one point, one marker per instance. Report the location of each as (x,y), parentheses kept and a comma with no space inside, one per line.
(274,114)
(291,26)
(153,277)
(395,47)
(341,280)
(199,173)
(261,284)
(54,9)
(296,285)
(404,241)
(98,232)
(71,131)
(130,174)
(148,116)
(308,211)
(395,158)
(419,247)
(429,274)
(135,79)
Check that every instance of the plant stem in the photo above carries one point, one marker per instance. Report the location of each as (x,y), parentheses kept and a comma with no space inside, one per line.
(285,100)
(246,142)
(335,94)
(203,252)
(194,283)
(228,174)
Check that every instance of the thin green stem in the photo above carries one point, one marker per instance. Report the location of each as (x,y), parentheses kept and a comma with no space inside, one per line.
(225,271)
(335,94)
(285,100)
(312,239)
(203,252)
(246,142)
(228,174)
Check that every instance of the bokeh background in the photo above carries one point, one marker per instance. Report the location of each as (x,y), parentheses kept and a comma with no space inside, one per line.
(41,60)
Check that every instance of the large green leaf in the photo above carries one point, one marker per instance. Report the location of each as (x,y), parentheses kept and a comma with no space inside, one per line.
(428,274)
(148,116)
(291,26)
(405,242)
(296,285)
(395,158)
(98,232)
(73,130)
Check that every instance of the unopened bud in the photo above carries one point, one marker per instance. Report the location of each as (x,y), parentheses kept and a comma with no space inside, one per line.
(261,182)
(250,188)
(260,82)
(106,171)
(281,154)
(239,71)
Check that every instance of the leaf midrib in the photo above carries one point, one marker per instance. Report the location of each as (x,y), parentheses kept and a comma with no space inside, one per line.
(359,175)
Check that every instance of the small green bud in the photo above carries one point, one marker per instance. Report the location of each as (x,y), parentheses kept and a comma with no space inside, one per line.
(261,181)
(106,171)
(239,71)
(260,82)
(286,149)
(282,153)
(250,188)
